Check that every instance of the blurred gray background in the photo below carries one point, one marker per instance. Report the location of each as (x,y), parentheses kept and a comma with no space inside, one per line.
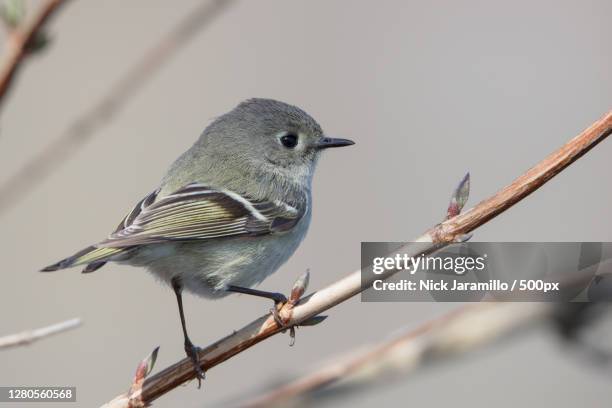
(427,89)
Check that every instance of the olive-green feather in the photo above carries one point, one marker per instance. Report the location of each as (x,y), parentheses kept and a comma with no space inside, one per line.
(92,256)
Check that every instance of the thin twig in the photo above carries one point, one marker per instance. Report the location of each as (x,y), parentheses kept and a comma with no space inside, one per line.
(347,287)
(19,40)
(30,336)
(85,126)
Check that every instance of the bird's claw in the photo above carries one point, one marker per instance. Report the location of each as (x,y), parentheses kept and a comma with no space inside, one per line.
(287,305)
(282,323)
(192,352)
(276,315)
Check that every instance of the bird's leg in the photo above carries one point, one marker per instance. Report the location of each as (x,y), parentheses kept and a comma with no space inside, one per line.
(278,298)
(274,296)
(190,349)
(282,304)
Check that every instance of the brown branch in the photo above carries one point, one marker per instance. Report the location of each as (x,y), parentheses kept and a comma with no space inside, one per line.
(526,184)
(19,40)
(450,230)
(85,126)
(30,336)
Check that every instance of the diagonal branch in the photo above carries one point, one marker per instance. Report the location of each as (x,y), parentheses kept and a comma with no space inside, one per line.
(19,40)
(86,125)
(526,184)
(31,336)
(349,286)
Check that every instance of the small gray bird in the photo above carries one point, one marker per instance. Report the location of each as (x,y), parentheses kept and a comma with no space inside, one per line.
(229,212)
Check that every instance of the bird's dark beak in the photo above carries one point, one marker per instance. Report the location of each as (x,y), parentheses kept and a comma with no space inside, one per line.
(326,142)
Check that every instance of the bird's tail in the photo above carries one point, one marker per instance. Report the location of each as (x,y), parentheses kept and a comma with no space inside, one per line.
(94,257)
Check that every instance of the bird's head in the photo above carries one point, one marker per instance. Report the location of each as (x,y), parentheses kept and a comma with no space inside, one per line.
(271,135)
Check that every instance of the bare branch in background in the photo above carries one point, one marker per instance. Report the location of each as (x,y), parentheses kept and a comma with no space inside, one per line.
(461,331)
(456,333)
(30,336)
(85,126)
(21,39)
(349,286)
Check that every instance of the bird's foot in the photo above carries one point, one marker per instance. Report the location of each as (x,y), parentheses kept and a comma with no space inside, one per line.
(192,352)
(283,306)
(281,312)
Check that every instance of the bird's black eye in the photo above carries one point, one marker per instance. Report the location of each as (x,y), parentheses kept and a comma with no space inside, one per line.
(290,140)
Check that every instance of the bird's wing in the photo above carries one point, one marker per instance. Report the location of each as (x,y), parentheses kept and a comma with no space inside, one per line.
(199,212)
